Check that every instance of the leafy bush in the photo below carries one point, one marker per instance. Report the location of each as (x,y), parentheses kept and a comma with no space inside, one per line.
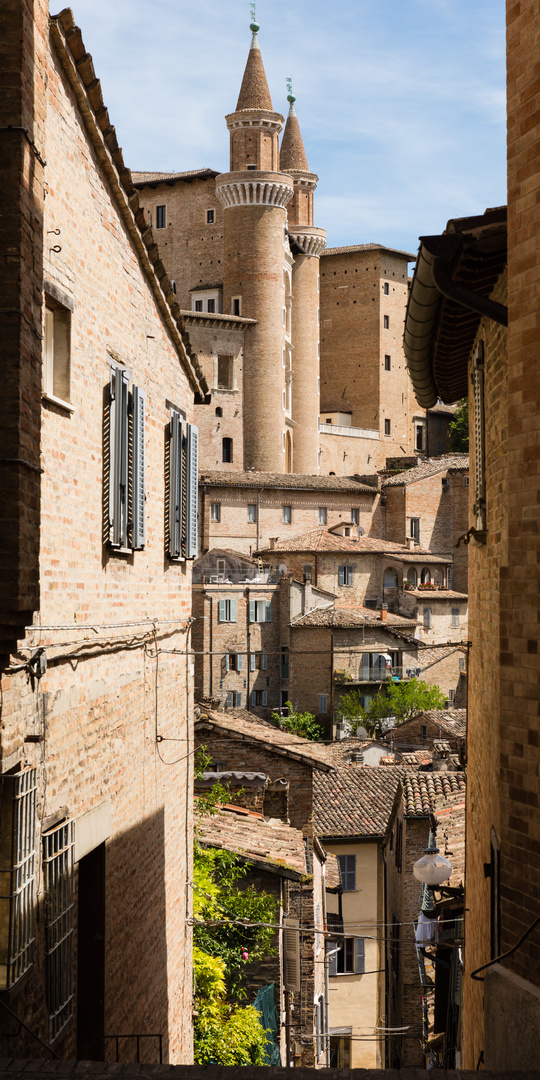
(298,723)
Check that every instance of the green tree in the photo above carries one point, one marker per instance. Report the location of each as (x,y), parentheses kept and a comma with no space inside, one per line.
(459,429)
(299,723)
(401,700)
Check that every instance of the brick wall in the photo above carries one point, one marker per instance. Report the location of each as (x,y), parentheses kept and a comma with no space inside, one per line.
(211,339)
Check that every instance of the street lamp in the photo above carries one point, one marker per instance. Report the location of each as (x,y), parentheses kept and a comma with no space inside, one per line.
(432,869)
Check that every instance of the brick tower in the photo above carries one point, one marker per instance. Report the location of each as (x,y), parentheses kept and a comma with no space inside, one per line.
(257,275)
(307,242)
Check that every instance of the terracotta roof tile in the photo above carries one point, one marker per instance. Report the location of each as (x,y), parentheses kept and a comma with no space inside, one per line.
(140,179)
(292,155)
(429,467)
(332,875)
(323,539)
(300,481)
(339,616)
(354,800)
(242,724)
(423,791)
(367,247)
(248,835)
(254,91)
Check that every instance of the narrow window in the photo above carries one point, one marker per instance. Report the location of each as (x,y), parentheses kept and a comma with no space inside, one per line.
(347,869)
(18,843)
(160,217)
(427,618)
(209,217)
(466,481)
(236,305)
(182,488)
(284,664)
(219,411)
(455,618)
(252,512)
(227,450)
(225,372)
(211,306)
(198,305)
(423,732)
(415,530)
(355,515)
(215,512)
(227,611)
(57,367)
(419,444)
(323,514)
(399,846)
(462,663)
(386,288)
(323,703)
(287,515)
(125,467)
(386,427)
(58,847)
(386,322)
(387,363)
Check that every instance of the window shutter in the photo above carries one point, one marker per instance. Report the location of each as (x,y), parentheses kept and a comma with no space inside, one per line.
(239,662)
(342,575)
(192,481)
(365,667)
(253,698)
(264,661)
(49,352)
(268,611)
(175,487)
(359,955)
(138,508)
(479,508)
(252,656)
(227,664)
(233,610)
(252,611)
(349,575)
(119,457)
(291,955)
(264,698)
(332,960)
(221,611)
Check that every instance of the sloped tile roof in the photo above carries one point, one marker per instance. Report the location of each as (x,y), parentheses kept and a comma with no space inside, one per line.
(343,617)
(242,724)
(368,247)
(422,791)
(451,722)
(323,539)
(292,153)
(142,178)
(250,836)
(254,91)
(354,800)
(429,467)
(332,874)
(437,594)
(298,481)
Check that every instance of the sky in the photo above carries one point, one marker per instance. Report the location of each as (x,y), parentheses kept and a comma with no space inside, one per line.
(401,103)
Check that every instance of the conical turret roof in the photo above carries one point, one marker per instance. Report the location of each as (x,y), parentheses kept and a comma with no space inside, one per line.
(254,92)
(292,157)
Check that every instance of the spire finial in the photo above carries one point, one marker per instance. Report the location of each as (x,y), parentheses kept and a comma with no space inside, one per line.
(290,96)
(253,26)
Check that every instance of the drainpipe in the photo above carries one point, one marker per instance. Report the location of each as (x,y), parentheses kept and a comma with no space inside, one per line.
(211,646)
(248,644)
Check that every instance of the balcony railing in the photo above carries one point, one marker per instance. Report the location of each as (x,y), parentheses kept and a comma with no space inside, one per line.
(375,675)
(236,577)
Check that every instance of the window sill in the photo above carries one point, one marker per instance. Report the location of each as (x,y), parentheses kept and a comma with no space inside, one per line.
(58,401)
(224,389)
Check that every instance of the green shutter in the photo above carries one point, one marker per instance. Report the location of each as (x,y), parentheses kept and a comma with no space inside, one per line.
(359,955)
(233,610)
(252,611)
(221,611)
(239,662)
(268,611)
(252,658)
(342,575)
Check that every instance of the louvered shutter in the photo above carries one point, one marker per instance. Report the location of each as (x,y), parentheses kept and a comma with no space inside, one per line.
(227,664)
(192,481)
(264,698)
(119,458)
(359,955)
(252,611)
(252,657)
(253,698)
(365,667)
(291,955)
(232,604)
(341,573)
(268,611)
(479,508)
(138,496)
(239,662)
(175,487)
(264,661)
(221,611)
(332,960)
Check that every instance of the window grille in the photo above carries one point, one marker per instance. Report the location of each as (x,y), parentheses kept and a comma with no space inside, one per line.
(17,874)
(58,848)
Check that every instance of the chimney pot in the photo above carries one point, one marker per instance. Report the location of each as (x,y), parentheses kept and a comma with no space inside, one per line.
(384,612)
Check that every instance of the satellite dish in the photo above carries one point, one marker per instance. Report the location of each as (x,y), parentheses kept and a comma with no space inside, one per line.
(282,568)
(361,530)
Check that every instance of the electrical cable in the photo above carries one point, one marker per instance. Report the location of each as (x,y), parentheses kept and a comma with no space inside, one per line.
(504,956)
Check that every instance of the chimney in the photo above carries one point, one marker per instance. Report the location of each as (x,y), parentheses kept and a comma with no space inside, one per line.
(411,544)
(272,542)
(384,612)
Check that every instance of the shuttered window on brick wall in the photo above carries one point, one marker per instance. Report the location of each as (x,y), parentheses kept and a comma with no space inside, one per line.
(260,611)
(17,873)
(182,488)
(124,463)
(58,847)
(227,611)
(291,955)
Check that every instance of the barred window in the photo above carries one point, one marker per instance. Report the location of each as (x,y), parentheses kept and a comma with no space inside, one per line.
(58,845)
(17,874)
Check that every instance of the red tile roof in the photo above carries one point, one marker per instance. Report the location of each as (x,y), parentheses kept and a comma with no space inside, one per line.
(271,843)
(323,539)
(242,724)
(429,467)
(355,800)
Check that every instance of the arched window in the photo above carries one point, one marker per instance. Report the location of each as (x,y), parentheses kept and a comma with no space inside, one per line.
(427,618)
(226,450)
(219,411)
(425,576)
(288,453)
(390,578)
(412,576)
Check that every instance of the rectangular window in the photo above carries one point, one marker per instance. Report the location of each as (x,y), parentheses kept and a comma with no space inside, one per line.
(347,870)
(211,306)
(419,444)
(387,363)
(160,217)
(260,611)
(58,847)
(227,450)
(355,515)
(323,703)
(345,575)
(252,512)
(209,217)
(215,512)
(57,366)
(287,515)
(183,469)
(234,699)
(462,663)
(451,697)
(234,661)
(126,464)
(225,372)
(284,664)
(323,515)
(455,618)
(236,305)
(466,481)
(386,427)
(259,697)
(423,731)
(415,530)
(398,855)
(386,322)
(386,288)
(258,661)
(350,959)
(17,874)
(227,611)
(198,305)
(427,618)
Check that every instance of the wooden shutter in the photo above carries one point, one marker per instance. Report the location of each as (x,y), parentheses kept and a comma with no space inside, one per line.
(268,610)
(239,662)
(232,616)
(252,611)
(264,698)
(264,661)
(332,960)
(252,656)
(175,486)
(291,955)
(221,611)
(359,955)
(253,698)
(341,575)
(227,661)
(119,458)
(192,481)
(138,493)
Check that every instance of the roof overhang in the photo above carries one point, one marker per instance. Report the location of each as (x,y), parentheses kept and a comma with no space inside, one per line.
(454,277)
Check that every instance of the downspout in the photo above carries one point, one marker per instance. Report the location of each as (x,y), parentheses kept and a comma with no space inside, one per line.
(211,643)
(248,657)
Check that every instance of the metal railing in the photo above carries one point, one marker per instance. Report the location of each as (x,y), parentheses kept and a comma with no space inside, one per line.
(375,675)
(137,1038)
(236,577)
